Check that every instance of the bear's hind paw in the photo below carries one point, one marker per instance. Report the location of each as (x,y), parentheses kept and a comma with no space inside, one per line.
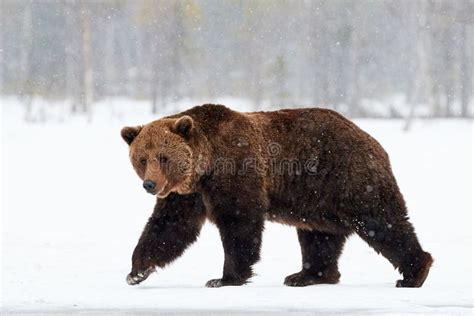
(304,279)
(214,283)
(418,277)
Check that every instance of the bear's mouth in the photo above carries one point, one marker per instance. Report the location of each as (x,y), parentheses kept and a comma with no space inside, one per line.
(163,192)
(162,195)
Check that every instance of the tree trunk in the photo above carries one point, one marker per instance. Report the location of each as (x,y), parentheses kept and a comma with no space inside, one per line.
(25,62)
(71,12)
(466,71)
(87,78)
(353,97)
(422,77)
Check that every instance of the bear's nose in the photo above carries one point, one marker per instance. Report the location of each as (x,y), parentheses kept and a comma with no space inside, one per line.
(149,185)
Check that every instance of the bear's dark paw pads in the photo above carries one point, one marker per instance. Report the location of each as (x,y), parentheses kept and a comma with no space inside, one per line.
(136,278)
(304,279)
(214,283)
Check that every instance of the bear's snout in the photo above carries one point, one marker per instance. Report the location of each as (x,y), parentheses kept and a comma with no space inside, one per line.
(149,186)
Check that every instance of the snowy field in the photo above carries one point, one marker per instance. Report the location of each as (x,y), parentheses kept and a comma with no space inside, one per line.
(73,209)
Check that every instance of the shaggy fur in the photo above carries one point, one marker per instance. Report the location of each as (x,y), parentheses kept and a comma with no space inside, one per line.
(309,168)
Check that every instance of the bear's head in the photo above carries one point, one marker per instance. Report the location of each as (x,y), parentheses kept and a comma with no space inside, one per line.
(163,156)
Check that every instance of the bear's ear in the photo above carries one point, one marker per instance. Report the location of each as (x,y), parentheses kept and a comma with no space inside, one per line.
(129,133)
(184,125)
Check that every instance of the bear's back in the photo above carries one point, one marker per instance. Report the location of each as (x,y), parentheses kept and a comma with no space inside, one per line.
(293,129)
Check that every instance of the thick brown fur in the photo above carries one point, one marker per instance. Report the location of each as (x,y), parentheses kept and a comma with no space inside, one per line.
(310,168)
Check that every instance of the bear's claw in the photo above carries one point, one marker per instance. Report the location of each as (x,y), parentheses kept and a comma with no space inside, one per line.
(134,279)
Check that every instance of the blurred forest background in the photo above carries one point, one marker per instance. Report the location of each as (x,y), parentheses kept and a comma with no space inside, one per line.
(351,56)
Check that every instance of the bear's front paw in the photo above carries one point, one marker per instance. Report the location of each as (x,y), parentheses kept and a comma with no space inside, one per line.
(136,278)
(304,279)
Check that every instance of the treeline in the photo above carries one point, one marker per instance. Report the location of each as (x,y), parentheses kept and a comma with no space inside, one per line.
(334,53)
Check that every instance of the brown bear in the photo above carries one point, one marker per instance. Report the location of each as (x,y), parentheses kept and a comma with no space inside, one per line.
(309,168)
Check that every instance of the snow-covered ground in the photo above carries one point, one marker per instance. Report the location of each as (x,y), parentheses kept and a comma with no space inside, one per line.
(73,209)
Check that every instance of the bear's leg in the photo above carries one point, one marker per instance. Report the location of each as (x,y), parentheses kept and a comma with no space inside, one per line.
(396,240)
(320,253)
(175,224)
(241,238)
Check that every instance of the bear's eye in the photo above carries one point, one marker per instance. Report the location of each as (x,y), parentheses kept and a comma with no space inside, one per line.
(143,161)
(162,158)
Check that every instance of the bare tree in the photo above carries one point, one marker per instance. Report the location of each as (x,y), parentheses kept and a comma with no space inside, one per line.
(419,17)
(25,62)
(72,53)
(466,56)
(87,75)
(353,97)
